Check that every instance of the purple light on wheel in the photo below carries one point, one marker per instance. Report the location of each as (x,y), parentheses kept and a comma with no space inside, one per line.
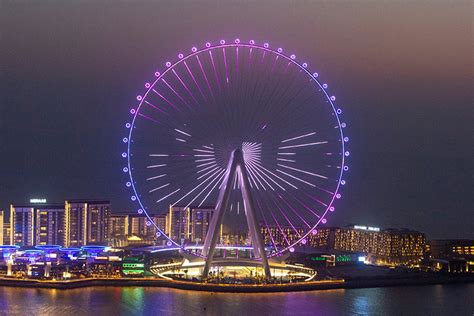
(346,168)
(125,139)
(347,154)
(191,83)
(346,139)
(125,169)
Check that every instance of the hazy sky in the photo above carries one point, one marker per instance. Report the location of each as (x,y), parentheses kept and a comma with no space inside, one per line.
(401,70)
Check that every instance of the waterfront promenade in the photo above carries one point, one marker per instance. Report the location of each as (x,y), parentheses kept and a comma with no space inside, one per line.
(237,288)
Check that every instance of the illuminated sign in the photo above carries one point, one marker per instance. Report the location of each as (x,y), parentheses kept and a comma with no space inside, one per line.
(37,200)
(372,229)
(361,259)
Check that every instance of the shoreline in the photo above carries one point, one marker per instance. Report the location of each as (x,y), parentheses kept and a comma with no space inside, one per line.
(238,288)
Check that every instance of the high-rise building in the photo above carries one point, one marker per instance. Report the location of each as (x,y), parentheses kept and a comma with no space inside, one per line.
(178,223)
(50,225)
(200,219)
(22,225)
(160,222)
(76,215)
(322,238)
(187,224)
(138,226)
(98,213)
(280,235)
(125,228)
(86,221)
(2,221)
(118,226)
(45,223)
(6,232)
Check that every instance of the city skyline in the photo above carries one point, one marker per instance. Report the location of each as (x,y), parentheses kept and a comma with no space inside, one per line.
(409,164)
(78,226)
(42,223)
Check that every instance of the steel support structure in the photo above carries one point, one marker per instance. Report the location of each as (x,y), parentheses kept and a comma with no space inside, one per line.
(235,167)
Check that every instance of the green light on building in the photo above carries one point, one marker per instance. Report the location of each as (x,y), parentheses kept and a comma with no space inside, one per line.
(132,271)
(131,259)
(318,259)
(133,265)
(343,258)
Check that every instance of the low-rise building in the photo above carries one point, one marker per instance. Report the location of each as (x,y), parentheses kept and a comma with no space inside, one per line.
(388,246)
(451,248)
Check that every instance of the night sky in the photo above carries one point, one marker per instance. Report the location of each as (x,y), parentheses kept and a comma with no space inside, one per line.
(402,71)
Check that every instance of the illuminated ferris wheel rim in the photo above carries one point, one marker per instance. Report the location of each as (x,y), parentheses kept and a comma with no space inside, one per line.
(251,45)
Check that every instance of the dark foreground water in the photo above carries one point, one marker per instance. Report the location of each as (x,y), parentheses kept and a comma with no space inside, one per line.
(450,300)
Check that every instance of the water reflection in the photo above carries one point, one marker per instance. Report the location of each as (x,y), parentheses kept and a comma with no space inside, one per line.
(417,300)
(133,299)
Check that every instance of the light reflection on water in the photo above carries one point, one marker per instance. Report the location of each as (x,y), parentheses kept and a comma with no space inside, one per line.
(416,300)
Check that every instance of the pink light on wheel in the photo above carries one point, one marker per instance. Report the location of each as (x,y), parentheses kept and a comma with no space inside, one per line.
(206,103)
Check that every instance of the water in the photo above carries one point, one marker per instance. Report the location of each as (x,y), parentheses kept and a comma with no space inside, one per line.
(453,300)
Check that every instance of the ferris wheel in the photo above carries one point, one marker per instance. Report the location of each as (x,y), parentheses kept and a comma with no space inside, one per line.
(244,98)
